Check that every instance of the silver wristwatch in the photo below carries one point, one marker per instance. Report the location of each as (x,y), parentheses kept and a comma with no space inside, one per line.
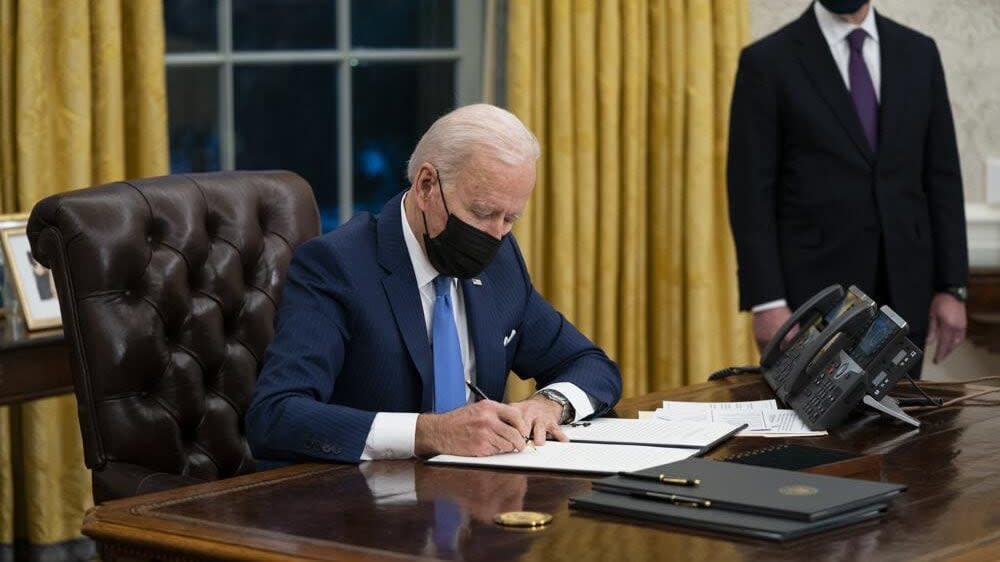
(959,292)
(568,412)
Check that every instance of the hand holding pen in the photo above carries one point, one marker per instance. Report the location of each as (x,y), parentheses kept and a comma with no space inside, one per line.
(480,429)
(482,396)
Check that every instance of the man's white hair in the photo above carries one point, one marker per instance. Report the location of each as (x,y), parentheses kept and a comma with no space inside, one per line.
(473,130)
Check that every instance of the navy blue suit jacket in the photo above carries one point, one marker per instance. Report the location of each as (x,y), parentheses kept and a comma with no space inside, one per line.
(351,341)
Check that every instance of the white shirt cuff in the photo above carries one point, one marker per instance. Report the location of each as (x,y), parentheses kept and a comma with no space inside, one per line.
(771,305)
(578,398)
(392,436)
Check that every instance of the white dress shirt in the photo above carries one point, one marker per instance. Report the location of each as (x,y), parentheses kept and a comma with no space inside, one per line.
(393,434)
(835,31)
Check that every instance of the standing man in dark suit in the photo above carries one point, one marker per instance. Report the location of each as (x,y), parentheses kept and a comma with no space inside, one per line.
(843,168)
(384,321)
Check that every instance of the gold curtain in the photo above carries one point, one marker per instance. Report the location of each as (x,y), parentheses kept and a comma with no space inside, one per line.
(627,231)
(82,102)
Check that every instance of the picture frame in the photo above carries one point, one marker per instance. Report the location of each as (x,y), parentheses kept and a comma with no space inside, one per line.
(34,285)
(7,292)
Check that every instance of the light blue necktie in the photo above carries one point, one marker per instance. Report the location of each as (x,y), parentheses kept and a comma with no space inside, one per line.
(447,523)
(449,376)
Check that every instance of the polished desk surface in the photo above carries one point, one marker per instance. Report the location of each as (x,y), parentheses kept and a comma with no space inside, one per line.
(323,511)
(32,364)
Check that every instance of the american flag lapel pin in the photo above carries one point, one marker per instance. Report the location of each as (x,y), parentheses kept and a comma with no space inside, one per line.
(477,282)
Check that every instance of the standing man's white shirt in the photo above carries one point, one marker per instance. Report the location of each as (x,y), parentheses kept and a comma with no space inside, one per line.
(835,31)
(393,434)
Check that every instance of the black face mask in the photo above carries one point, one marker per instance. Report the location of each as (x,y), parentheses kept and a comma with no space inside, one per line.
(842,7)
(460,250)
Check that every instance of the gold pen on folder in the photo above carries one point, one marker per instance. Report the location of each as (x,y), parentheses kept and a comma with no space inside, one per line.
(661,478)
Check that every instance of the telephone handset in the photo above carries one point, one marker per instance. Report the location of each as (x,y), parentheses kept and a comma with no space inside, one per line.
(843,332)
(846,353)
(815,308)
(779,364)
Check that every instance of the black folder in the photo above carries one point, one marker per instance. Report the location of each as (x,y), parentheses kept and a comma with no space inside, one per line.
(721,520)
(757,490)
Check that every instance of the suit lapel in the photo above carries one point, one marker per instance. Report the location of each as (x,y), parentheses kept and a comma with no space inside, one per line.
(400,287)
(486,336)
(892,98)
(819,65)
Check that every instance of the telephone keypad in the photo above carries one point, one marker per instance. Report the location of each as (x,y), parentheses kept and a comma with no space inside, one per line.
(824,391)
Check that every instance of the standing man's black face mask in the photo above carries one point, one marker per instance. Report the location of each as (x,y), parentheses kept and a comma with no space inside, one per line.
(460,250)
(843,7)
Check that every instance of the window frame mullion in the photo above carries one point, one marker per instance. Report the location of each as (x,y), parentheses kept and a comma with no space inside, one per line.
(345,129)
(227,111)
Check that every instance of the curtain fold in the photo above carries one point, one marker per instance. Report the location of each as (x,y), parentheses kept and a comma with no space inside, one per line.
(82,102)
(627,230)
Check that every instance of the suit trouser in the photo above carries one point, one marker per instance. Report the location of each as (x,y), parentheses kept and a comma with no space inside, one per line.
(882,296)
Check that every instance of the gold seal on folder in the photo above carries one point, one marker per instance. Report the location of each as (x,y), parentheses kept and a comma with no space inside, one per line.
(798,490)
(530,519)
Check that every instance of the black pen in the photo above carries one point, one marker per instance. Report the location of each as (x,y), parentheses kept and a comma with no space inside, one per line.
(678,500)
(475,390)
(661,478)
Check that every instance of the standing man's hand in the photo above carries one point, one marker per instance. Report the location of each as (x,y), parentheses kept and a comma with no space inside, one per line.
(947,324)
(478,430)
(767,322)
(542,416)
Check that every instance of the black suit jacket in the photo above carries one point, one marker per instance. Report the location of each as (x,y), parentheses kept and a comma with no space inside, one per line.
(810,203)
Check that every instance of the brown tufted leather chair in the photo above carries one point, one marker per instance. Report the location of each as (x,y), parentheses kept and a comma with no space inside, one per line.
(168,288)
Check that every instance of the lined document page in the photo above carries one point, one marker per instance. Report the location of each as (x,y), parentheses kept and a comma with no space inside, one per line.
(576,457)
(762,417)
(701,410)
(658,432)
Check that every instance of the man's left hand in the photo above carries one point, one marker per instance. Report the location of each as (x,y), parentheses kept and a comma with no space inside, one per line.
(947,324)
(542,416)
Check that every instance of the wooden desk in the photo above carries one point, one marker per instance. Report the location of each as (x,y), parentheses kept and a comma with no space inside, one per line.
(33,365)
(316,511)
(984,309)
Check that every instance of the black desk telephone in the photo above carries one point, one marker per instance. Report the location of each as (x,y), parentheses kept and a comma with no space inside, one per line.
(845,353)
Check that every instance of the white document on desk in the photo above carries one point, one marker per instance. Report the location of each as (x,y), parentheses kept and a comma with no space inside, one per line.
(700,410)
(654,432)
(762,417)
(786,421)
(576,457)
(753,414)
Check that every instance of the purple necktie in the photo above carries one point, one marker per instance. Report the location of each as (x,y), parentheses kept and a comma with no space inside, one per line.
(862,90)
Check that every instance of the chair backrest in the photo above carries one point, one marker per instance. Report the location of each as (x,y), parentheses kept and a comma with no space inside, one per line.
(168,288)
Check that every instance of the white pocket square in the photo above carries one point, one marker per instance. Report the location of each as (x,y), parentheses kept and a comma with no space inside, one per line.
(507,339)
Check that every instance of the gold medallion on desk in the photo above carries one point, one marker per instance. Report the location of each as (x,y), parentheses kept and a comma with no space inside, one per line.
(523,519)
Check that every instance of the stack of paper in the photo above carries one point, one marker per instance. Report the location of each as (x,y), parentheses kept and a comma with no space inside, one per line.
(762,417)
(652,432)
(576,457)
(677,431)
(610,445)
